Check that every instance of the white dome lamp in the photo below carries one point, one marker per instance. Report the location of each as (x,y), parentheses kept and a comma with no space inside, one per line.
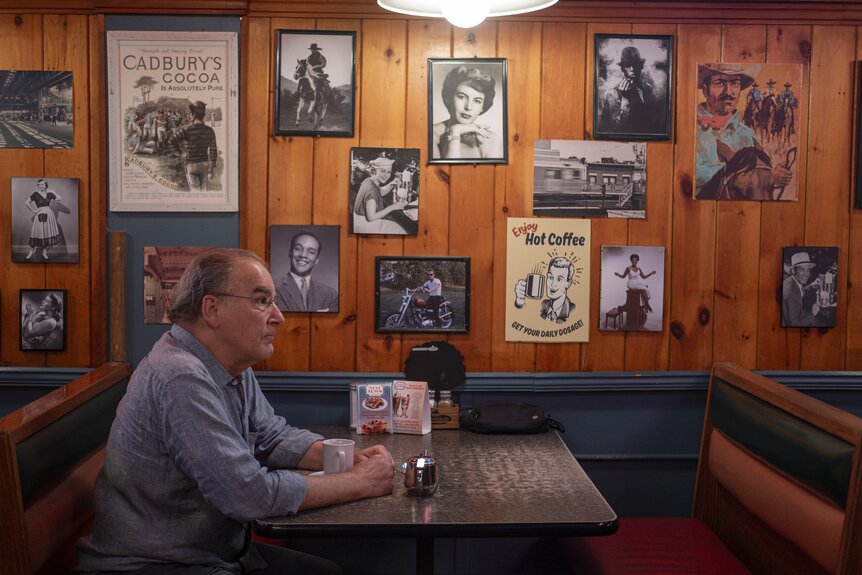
(464,13)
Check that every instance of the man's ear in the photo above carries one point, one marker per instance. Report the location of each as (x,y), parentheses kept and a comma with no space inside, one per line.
(210,310)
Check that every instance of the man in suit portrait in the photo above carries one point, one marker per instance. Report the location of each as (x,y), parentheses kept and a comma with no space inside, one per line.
(796,309)
(298,291)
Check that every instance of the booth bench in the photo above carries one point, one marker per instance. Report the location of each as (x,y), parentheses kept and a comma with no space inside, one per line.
(51,451)
(777,492)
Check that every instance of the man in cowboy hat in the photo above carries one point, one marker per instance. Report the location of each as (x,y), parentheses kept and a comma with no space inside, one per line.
(316,61)
(787,97)
(631,106)
(793,312)
(721,133)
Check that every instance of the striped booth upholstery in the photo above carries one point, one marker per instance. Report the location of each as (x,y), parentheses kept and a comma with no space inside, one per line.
(777,492)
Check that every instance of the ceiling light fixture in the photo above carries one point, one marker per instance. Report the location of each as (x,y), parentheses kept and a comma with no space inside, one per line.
(464,13)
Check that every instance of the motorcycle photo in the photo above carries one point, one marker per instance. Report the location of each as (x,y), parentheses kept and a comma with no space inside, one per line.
(416,312)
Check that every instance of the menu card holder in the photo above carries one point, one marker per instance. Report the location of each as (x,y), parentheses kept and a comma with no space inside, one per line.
(374,408)
(411,410)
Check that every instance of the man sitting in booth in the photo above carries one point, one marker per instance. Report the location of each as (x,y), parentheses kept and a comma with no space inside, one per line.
(196,452)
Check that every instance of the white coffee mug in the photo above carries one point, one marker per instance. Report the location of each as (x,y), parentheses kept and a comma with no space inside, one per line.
(337,455)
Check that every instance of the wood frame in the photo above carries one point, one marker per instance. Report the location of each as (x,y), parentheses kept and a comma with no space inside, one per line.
(287,50)
(399,275)
(15,428)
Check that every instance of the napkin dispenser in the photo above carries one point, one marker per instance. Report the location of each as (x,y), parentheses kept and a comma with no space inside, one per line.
(421,475)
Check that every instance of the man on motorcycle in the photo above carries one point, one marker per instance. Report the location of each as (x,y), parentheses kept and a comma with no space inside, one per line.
(434,288)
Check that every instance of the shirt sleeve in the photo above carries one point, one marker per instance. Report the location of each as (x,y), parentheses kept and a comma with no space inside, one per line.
(203,436)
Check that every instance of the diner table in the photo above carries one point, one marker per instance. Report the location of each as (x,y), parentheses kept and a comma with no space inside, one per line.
(490,485)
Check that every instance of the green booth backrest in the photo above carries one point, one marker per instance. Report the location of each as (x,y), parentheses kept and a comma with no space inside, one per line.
(811,456)
(55,450)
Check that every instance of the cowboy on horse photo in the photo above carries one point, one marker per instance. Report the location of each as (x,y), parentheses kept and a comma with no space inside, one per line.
(746,151)
(316,82)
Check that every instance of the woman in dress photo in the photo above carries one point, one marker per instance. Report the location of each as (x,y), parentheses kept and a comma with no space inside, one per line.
(635,277)
(44,328)
(467,93)
(44,233)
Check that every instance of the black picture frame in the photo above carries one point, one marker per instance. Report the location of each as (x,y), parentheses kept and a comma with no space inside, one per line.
(612,117)
(293,47)
(490,143)
(396,305)
(43,320)
(859,136)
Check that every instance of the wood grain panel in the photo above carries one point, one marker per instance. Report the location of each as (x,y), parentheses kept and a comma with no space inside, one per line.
(65,48)
(564,76)
(723,269)
(384,81)
(782,223)
(333,335)
(606,350)
(737,237)
(649,351)
(520,44)
(471,217)
(826,216)
(290,182)
(692,260)
(97,217)
(20,49)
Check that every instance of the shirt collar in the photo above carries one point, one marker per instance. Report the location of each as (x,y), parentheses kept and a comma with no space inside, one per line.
(298,279)
(218,373)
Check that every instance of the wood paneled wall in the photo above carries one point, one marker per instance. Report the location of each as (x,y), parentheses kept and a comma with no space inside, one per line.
(723,259)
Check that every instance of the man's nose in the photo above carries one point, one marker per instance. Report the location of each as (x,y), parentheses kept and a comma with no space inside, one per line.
(275,315)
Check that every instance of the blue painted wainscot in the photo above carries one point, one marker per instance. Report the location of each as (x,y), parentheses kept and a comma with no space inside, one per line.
(636,435)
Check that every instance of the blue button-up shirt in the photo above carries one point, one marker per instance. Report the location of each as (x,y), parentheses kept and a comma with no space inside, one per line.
(735,134)
(193,456)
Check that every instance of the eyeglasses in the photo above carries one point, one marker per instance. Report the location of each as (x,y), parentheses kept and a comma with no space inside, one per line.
(259,303)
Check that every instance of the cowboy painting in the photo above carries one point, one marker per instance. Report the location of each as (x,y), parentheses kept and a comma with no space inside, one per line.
(746,137)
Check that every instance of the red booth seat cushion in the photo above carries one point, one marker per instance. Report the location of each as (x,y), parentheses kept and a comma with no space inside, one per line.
(659,545)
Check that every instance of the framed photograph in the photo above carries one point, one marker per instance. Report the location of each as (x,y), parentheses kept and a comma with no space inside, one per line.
(173,128)
(589,179)
(467,111)
(43,320)
(45,220)
(304,267)
(809,291)
(37,109)
(422,294)
(315,83)
(632,93)
(163,266)
(746,124)
(632,288)
(384,191)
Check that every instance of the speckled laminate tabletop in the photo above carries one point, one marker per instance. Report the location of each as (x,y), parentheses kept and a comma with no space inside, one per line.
(508,485)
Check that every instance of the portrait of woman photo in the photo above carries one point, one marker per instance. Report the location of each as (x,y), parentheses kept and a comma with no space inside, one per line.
(42,323)
(468,111)
(44,220)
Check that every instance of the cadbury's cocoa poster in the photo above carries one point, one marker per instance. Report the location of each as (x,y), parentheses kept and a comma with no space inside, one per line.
(172,121)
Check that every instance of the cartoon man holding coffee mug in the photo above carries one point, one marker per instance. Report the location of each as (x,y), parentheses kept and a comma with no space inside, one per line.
(557,307)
